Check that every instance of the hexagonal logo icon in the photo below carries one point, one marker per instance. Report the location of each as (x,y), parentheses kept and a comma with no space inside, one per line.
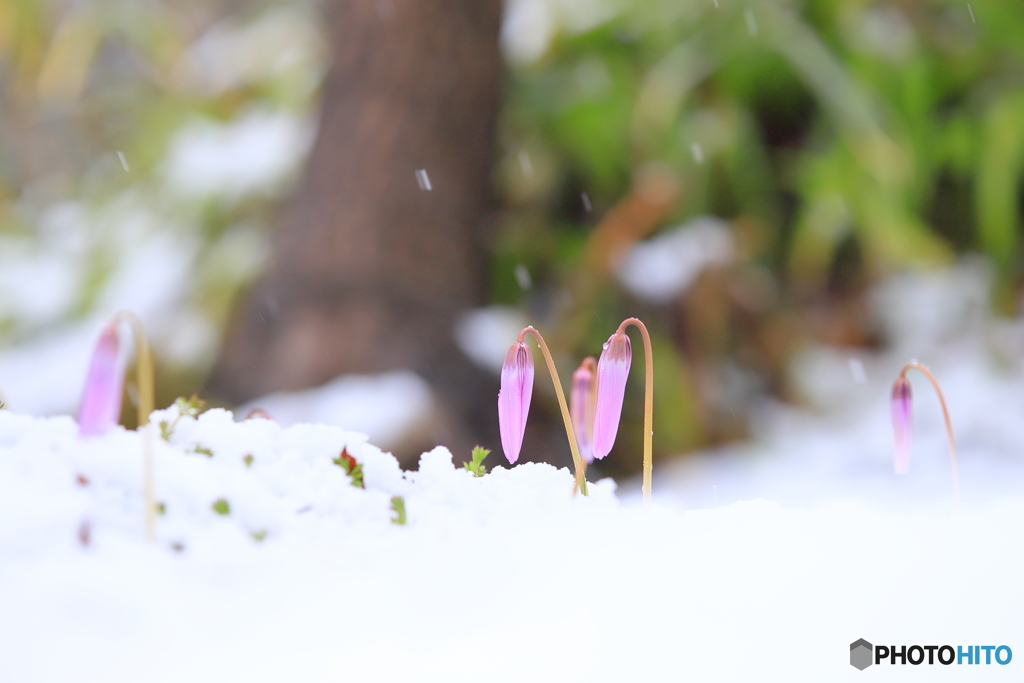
(861,654)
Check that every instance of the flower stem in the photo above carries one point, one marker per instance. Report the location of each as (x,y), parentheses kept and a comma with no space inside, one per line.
(581,480)
(144,380)
(945,414)
(648,402)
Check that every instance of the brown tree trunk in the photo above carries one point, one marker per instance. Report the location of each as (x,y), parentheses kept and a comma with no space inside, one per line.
(369,270)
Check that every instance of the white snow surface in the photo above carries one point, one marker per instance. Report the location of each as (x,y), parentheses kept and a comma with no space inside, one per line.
(507,577)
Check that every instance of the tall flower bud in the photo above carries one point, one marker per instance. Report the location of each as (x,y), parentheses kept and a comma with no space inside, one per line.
(612,371)
(902,423)
(514,398)
(582,407)
(104,385)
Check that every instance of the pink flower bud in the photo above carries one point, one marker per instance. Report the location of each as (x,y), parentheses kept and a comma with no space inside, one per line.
(101,400)
(902,424)
(612,371)
(514,398)
(581,408)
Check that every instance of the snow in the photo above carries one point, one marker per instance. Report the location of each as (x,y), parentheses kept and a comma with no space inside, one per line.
(761,561)
(500,578)
(387,407)
(248,155)
(484,334)
(149,274)
(526,30)
(529,26)
(21,295)
(663,267)
(233,55)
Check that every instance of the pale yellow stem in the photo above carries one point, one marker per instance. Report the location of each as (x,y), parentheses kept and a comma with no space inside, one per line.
(144,381)
(648,403)
(581,481)
(945,414)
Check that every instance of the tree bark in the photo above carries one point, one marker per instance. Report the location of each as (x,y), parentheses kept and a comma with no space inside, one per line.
(369,269)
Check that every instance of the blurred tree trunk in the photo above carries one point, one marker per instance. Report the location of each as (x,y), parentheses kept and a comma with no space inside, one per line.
(369,270)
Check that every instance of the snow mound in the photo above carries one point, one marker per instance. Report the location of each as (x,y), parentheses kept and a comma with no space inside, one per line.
(271,565)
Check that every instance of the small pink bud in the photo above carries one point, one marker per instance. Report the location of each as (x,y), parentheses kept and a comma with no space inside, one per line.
(612,371)
(581,408)
(902,424)
(101,400)
(514,398)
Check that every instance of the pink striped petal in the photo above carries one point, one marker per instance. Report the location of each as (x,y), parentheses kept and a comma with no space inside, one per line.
(581,408)
(902,424)
(514,398)
(612,371)
(104,385)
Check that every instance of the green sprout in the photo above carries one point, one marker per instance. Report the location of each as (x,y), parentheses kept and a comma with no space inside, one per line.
(398,506)
(476,464)
(352,468)
(190,407)
(221,507)
(247,459)
(258,535)
(196,448)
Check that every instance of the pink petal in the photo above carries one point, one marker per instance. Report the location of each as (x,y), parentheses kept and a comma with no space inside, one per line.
(104,385)
(612,371)
(581,410)
(514,398)
(902,424)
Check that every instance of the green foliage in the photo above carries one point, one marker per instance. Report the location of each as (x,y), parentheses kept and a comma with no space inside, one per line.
(860,106)
(258,535)
(398,507)
(247,459)
(189,407)
(202,450)
(221,506)
(476,464)
(352,468)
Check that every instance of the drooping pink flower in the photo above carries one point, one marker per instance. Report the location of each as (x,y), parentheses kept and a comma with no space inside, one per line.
(581,407)
(514,398)
(902,424)
(101,399)
(612,371)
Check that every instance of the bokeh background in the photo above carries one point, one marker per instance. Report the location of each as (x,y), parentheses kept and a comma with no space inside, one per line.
(344,211)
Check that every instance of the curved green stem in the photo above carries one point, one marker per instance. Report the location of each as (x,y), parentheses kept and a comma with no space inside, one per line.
(581,480)
(648,403)
(144,380)
(923,369)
